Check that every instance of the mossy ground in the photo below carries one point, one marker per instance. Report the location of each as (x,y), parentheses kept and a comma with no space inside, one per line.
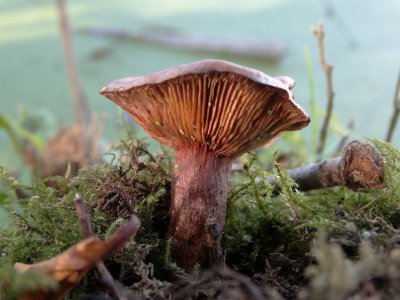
(326,244)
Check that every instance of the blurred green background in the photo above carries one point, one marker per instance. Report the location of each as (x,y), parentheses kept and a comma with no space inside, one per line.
(362,42)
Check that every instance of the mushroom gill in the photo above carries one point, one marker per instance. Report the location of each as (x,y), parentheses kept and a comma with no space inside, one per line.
(228,113)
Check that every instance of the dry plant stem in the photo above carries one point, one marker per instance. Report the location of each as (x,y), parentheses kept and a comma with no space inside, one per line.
(222,271)
(198,206)
(84,217)
(341,23)
(360,167)
(372,202)
(81,106)
(327,68)
(344,140)
(86,227)
(396,112)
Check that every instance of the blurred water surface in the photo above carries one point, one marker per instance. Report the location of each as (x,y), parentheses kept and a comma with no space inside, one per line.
(362,42)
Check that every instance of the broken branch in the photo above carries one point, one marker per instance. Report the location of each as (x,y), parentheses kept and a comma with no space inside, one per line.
(240,47)
(360,167)
(327,68)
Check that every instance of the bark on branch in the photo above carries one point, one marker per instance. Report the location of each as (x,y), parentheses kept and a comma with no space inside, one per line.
(360,167)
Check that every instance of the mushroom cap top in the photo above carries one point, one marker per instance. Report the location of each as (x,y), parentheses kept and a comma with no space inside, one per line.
(226,107)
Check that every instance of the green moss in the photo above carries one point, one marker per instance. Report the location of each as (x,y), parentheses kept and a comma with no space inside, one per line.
(42,225)
(260,223)
(134,182)
(266,234)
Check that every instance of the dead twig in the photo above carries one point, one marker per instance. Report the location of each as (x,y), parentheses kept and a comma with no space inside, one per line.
(81,107)
(327,68)
(84,217)
(361,166)
(86,227)
(247,284)
(175,40)
(341,23)
(252,291)
(396,112)
(344,140)
(76,145)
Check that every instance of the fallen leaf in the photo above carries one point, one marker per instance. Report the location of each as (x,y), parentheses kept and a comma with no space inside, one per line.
(69,267)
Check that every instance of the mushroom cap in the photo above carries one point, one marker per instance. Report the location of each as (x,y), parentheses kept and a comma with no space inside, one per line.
(226,107)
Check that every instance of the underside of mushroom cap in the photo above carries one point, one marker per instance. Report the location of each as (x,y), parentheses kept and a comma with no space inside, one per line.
(229,109)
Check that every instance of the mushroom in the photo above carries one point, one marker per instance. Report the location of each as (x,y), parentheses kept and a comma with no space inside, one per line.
(210,112)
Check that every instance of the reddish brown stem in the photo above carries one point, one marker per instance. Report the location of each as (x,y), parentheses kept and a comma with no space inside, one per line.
(198,206)
(87,232)
(84,217)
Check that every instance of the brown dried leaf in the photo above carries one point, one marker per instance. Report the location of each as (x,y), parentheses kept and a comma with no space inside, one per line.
(69,267)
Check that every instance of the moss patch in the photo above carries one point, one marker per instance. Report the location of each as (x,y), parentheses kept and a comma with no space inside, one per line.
(270,238)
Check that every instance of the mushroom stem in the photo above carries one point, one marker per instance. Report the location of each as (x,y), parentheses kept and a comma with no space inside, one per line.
(198,206)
